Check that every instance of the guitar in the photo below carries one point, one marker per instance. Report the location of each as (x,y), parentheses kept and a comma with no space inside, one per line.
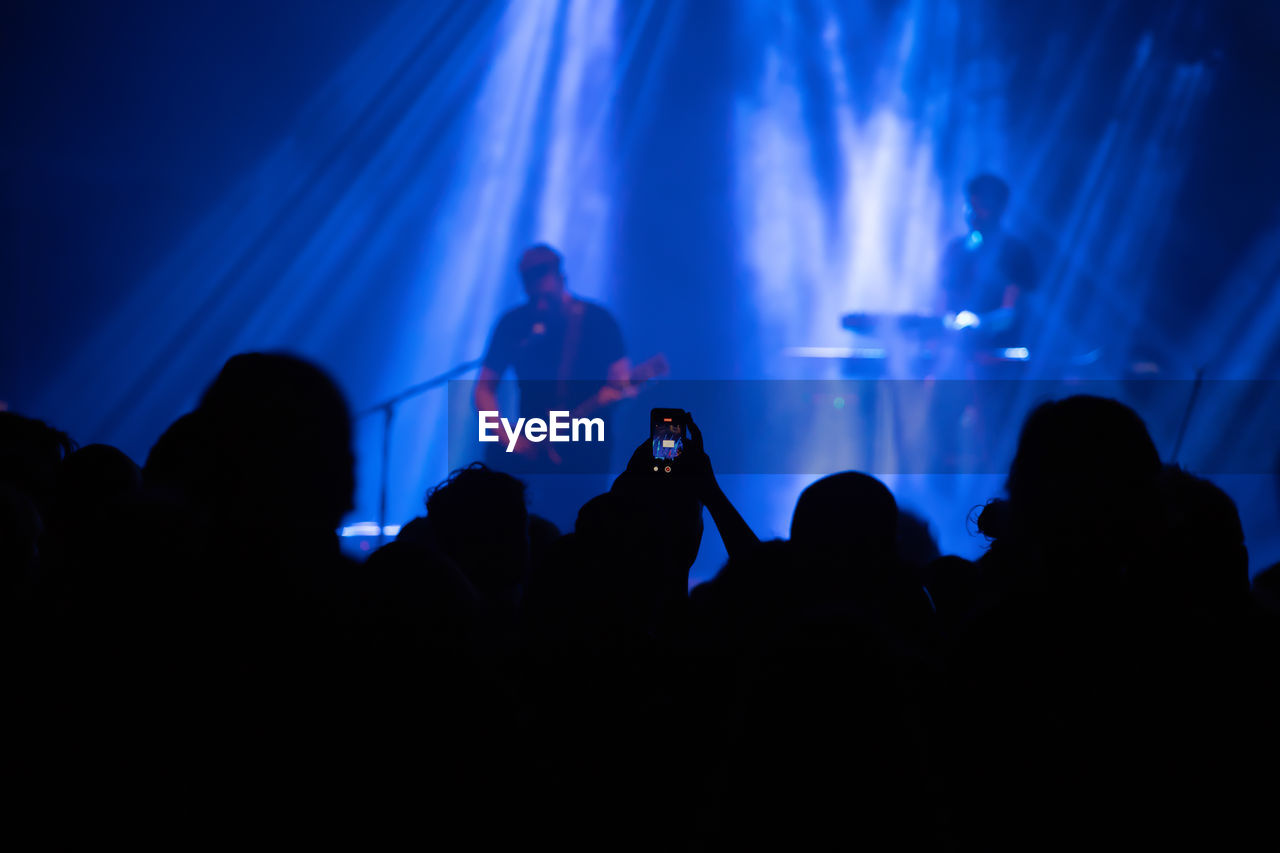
(610,393)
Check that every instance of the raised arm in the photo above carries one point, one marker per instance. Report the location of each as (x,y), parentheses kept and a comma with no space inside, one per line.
(738,537)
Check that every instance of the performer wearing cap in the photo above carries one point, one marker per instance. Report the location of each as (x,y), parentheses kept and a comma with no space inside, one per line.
(560,348)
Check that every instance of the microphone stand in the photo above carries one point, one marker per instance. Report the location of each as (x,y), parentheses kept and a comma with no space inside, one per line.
(388,409)
(1186,416)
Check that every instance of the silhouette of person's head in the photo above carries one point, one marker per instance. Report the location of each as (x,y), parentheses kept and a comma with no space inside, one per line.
(30,453)
(479,519)
(279,431)
(631,553)
(93,475)
(661,519)
(94,485)
(849,513)
(542,273)
(917,546)
(986,197)
(1084,474)
(181,459)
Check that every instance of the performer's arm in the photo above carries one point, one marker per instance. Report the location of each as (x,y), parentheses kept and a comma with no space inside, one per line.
(486,391)
(497,357)
(620,372)
(618,379)
(485,397)
(1011,294)
(738,537)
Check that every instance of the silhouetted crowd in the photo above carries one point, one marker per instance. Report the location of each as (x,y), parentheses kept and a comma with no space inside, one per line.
(191,659)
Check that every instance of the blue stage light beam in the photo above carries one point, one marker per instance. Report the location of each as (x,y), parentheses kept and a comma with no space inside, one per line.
(264,246)
(839,198)
(542,174)
(844,178)
(380,238)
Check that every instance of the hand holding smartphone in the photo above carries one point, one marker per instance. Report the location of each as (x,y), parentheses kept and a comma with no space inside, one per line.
(668,438)
(675,445)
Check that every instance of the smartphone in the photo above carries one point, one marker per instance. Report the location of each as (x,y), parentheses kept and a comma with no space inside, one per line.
(668,436)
